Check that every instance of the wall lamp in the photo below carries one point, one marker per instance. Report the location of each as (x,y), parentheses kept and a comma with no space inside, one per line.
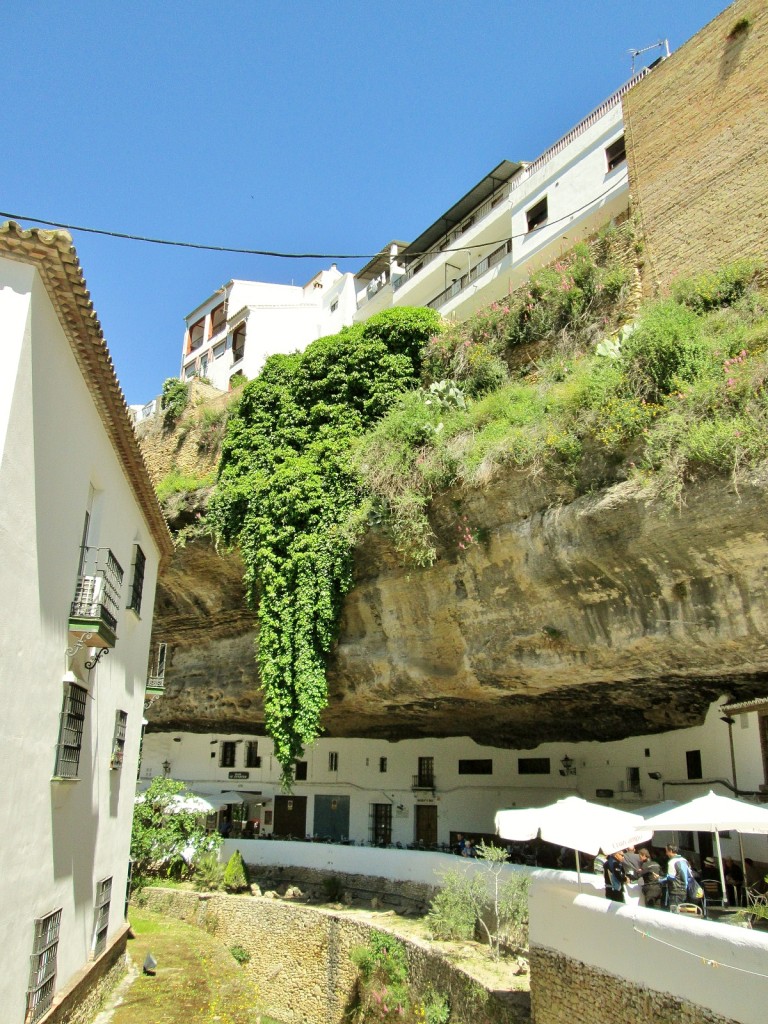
(166,768)
(654,775)
(569,766)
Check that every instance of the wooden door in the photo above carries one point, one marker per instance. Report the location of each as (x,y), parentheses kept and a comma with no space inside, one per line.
(290,816)
(426,824)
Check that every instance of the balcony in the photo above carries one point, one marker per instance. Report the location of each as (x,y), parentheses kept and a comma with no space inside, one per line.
(478,270)
(423,781)
(94,610)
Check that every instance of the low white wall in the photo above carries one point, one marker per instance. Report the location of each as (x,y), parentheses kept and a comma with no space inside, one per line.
(397,865)
(717,966)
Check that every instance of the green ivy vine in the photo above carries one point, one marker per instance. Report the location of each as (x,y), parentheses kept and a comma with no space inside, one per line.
(287,493)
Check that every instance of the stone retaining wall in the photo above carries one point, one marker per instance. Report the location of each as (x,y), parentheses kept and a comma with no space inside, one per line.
(300,958)
(566,991)
(80,1001)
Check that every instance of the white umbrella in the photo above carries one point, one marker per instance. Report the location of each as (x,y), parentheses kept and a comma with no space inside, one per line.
(577,824)
(714,813)
(653,809)
(230,797)
(191,802)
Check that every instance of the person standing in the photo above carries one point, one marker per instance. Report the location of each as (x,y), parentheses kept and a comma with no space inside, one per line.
(675,881)
(615,876)
(650,871)
(632,864)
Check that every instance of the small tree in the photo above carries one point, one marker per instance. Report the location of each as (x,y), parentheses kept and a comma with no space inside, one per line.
(236,873)
(165,835)
(497,906)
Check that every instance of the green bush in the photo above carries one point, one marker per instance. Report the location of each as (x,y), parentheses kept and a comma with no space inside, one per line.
(208,873)
(178,482)
(722,287)
(174,400)
(333,888)
(241,954)
(453,912)
(236,873)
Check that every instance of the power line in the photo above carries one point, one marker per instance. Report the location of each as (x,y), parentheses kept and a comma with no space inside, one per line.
(284,255)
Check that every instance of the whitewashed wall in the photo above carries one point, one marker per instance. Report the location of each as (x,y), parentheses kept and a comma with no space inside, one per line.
(722,968)
(60,838)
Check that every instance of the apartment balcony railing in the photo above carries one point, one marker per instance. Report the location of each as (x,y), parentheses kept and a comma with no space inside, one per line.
(95,607)
(423,782)
(445,243)
(478,270)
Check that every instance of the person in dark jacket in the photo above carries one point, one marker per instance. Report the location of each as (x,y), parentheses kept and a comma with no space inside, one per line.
(615,876)
(650,871)
(675,881)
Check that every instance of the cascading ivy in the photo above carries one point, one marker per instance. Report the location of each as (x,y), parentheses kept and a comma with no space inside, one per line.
(287,492)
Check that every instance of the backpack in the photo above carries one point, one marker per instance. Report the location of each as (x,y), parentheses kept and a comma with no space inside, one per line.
(693,891)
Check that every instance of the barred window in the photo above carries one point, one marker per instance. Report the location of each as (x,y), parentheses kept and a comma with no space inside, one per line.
(380,824)
(252,759)
(227,754)
(118,742)
(300,773)
(42,972)
(70,732)
(333,761)
(382,764)
(101,924)
(137,582)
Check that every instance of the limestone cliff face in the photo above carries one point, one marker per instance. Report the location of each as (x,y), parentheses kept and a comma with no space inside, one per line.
(596,617)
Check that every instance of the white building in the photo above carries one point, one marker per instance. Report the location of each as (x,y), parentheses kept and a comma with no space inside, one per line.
(426,790)
(519,217)
(81,536)
(234,331)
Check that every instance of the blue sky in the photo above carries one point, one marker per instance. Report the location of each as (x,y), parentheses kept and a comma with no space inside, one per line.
(283,125)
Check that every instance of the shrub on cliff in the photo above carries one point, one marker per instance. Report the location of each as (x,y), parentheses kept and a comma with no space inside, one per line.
(287,494)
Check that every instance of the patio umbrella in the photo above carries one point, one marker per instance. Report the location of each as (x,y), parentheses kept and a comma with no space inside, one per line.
(230,797)
(191,802)
(714,813)
(577,824)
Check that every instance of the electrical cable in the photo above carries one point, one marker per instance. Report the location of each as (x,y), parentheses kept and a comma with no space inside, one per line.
(287,255)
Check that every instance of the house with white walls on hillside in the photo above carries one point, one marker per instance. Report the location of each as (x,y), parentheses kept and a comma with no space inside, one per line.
(232,333)
(82,537)
(518,217)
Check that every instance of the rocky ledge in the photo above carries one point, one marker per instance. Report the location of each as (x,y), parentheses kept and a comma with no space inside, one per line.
(590,618)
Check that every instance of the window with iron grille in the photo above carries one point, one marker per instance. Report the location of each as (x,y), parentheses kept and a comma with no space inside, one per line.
(137,582)
(42,971)
(70,732)
(333,761)
(380,832)
(227,754)
(382,764)
(252,759)
(118,742)
(101,925)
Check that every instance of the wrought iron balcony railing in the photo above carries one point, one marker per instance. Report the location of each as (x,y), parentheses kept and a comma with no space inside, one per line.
(423,781)
(96,605)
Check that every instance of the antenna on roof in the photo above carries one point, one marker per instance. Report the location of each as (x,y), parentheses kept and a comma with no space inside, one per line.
(654,46)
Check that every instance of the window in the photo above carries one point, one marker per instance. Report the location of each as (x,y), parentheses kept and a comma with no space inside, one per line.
(334,305)
(633,780)
(70,732)
(42,973)
(189,371)
(380,831)
(693,764)
(533,766)
(220,349)
(426,777)
(537,215)
(252,759)
(118,742)
(196,335)
(616,153)
(238,343)
(333,761)
(301,771)
(467,224)
(218,319)
(101,925)
(382,764)
(137,579)
(478,766)
(227,754)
